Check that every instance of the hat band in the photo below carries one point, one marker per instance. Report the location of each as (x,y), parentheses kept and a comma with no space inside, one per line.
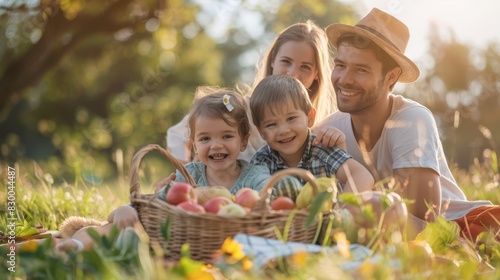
(378,34)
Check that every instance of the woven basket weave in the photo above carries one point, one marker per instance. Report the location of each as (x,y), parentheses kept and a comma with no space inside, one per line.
(206,232)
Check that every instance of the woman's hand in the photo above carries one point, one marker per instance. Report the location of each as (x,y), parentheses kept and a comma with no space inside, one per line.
(124,216)
(329,136)
(165,182)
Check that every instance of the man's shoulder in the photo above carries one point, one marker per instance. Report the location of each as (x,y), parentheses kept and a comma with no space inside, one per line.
(411,110)
(339,120)
(403,104)
(338,116)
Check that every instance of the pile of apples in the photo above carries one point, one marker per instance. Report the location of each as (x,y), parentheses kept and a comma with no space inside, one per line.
(218,200)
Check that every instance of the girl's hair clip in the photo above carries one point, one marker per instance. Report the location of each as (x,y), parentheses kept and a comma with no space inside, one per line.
(225,100)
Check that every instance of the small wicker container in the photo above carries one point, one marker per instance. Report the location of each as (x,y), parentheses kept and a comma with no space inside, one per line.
(206,232)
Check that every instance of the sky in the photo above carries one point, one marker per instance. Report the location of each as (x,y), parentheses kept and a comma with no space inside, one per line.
(474,22)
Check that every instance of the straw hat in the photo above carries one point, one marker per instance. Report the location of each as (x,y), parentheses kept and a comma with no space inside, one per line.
(387,32)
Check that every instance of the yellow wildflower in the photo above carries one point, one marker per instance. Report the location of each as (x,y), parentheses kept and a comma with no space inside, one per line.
(30,245)
(342,244)
(299,258)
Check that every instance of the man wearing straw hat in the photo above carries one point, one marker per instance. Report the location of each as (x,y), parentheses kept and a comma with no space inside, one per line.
(392,135)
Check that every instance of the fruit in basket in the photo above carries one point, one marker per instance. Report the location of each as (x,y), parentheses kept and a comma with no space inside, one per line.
(191,206)
(180,192)
(282,203)
(305,197)
(214,204)
(247,197)
(204,194)
(376,205)
(232,209)
(288,186)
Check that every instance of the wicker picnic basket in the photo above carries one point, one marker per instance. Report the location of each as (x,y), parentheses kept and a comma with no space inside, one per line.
(206,232)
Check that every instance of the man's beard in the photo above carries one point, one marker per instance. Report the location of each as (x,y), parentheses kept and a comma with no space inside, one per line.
(367,100)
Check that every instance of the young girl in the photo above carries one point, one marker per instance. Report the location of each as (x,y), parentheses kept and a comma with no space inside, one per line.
(301,51)
(219,130)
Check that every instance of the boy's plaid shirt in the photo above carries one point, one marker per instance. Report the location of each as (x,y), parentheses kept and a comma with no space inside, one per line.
(320,161)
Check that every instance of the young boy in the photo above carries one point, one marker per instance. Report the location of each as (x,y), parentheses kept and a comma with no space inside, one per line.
(282,112)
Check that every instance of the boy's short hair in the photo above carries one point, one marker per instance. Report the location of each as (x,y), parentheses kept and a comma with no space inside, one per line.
(209,101)
(276,90)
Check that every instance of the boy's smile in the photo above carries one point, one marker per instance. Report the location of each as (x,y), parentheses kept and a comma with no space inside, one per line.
(286,131)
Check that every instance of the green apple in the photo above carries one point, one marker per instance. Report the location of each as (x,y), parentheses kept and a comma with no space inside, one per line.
(232,209)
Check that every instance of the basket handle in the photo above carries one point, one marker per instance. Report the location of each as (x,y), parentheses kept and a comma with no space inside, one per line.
(136,161)
(294,171)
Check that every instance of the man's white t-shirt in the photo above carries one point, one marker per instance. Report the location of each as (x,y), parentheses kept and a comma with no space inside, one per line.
(410,139)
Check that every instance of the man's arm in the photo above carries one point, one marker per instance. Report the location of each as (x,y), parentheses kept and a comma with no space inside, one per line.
(422,186)
(355,177)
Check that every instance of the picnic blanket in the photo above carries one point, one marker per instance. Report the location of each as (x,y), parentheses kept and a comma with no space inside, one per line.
(263,250)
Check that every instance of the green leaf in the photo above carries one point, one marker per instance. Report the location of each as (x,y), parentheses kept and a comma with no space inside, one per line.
(368,213)
(317,206)
(185,251)
(26,231)
(468,269)
(441,234)
(189,266)
(386,202)
(165,229)
(348,198)
(186,265)
(494,161)
(289,219)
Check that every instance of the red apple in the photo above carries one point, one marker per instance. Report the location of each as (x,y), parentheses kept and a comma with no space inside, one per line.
(232,209)
(191,206)
(180,192)
(247,197)
(214,204)
(282,203)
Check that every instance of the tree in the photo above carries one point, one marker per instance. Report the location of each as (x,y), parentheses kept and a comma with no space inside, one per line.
(100,77)
(62,29)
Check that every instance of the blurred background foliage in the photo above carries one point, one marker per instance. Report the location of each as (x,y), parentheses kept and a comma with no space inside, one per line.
(85,83)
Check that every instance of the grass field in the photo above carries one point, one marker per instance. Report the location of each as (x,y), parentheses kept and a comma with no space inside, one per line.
(43,198)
